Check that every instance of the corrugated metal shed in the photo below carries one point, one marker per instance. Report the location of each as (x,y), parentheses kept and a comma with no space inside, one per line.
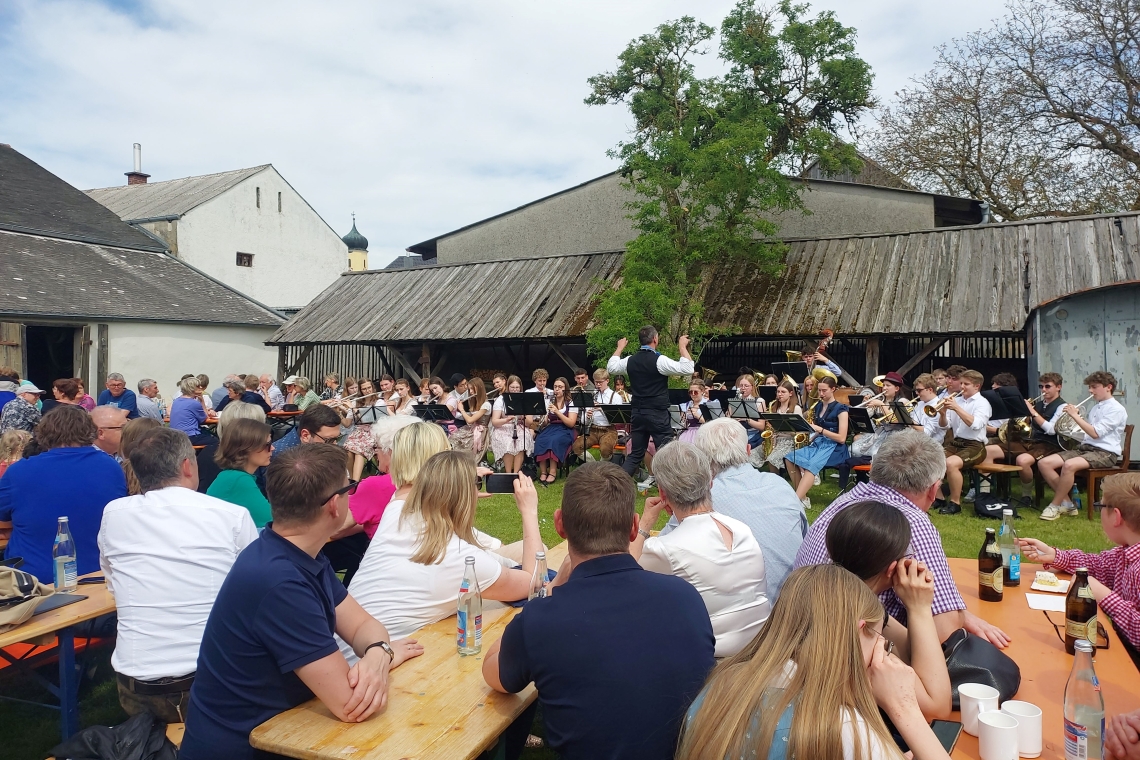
(956,280)
(171,198)
(522,299)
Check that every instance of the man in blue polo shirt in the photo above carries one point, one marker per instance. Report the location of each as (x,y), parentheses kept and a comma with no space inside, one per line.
(268,644)
(617,653)
(119,396)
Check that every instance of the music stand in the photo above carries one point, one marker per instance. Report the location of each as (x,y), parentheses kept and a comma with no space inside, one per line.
(676,418)
(787,423)
(1014,402)
(902,413)
(744,409)
(584,401)
(617,413)
(768,393)
(721,397)
(859,419)
(711,412)
(433,412)
(678,396)
(525,404)
(370,414)
(798,371)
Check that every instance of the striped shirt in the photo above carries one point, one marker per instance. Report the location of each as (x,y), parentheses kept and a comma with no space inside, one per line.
(1119,569)
(925,545)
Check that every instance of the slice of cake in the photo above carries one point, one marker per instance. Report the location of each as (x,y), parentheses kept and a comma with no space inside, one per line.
(1045,578)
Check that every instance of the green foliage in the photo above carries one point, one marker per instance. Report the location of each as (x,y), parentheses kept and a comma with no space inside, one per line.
(707,158)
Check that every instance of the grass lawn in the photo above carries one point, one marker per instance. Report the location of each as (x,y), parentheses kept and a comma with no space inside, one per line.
(27,732)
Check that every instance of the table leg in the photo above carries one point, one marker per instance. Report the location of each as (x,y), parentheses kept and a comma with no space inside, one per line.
(68,684)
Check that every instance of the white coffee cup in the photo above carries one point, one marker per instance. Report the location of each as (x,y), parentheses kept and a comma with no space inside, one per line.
(976,698)
(997,736)
(1028,726)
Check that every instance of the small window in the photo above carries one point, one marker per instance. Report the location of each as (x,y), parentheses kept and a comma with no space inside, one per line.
(244,259)
(278,203)
(257,191)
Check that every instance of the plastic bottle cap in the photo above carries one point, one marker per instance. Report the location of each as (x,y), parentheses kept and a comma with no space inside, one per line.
(1007,512)
(540,555)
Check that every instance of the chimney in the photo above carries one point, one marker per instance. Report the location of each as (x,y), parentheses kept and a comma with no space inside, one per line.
(137,177)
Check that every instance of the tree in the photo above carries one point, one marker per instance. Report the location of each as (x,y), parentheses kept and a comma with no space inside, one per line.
(707,156)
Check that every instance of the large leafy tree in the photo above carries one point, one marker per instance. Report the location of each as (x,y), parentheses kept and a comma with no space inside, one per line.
(708,159)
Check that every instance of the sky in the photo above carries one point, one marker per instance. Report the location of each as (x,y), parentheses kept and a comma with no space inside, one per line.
(420,117)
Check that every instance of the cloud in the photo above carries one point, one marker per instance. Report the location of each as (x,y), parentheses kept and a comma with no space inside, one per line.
(420,117)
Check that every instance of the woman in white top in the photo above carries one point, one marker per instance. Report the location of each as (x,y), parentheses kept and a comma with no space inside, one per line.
(811,683)
(411,573)
(511,436)
(717,554)
(774,449)
(404,402)
(475,411)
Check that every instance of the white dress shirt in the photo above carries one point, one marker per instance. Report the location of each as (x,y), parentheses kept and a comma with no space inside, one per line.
(929,423)
(549,392)
(979,409)
(730,580)
(665,365)
(603,397)
(1108,418)
(165,554)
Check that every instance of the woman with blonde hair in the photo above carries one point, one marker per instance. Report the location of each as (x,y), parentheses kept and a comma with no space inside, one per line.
(811,683)
(133,431)
(188,412)
(366,506)
(412,570)
(303,395)
(782,443)
(12,445)
(746,389)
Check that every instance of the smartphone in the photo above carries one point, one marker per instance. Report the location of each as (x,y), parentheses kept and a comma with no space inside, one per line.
(501,482)
(92,580)
(947,732)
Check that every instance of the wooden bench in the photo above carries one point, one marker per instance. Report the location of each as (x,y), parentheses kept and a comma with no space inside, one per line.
(174,732)
(998,475)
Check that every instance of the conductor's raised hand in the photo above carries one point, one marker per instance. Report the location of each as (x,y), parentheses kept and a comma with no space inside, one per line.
(621,344)
(683,343)
(526,498)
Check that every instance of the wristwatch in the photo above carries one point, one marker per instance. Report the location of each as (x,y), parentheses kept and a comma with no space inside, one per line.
(643,533)
(383,645)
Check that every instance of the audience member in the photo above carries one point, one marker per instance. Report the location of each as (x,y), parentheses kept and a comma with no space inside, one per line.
(373,494)
(64,391)
(318,424)
(330,387)
(133,432)
(188,412)
(1114,575)
(12,444)
(165,552)
(245,445)
(21,413)
(221,392)
(761,500)
(147,404)
(208,469)
(9,382)
(109,422)
(906,475)
(119,396)
(617,653)
(714,552)
(85,399)
(812,683)
(271,393)
(303,395)
(239,390)
(872,540)
(268,645)
(69,479)
(411,571)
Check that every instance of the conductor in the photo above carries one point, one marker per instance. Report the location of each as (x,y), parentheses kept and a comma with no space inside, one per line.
(649,374)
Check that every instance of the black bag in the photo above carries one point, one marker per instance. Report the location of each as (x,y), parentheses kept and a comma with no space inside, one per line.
(143,737)
(988,505)
(971,659)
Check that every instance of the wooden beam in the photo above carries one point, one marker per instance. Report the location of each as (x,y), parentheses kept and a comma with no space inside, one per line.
(563,357)
(292,370)
(281,359)
(439,363)
(403,362)
(926,351)
(872,367)
(102,357)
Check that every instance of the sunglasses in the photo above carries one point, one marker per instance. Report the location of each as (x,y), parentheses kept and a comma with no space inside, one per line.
(348,490)
(1101,634)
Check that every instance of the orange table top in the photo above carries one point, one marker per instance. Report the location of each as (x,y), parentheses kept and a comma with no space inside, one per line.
(1041,656)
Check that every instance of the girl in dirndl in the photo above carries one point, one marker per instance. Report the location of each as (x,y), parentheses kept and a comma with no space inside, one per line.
(360,442)
(691,418)
(782,443)
(511,436)
(553,442)
(475,411)
(830,425)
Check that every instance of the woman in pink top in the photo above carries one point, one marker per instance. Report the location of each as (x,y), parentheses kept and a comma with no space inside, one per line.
(366,506)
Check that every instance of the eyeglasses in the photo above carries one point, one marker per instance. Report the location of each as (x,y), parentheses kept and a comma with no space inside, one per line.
(322,439)
(348,490)
(1101,634)
(268,446)
(1099,505)
(112,427)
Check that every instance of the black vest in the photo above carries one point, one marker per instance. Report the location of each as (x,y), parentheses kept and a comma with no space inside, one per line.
(650,387)
(1050,409)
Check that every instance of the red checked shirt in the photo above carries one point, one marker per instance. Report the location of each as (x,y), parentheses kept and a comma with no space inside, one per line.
(1119,569)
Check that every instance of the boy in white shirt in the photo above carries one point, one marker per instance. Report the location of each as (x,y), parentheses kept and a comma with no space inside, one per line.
(966,416)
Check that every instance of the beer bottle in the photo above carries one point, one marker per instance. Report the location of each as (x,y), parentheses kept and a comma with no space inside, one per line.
(1080,611)
(990,569)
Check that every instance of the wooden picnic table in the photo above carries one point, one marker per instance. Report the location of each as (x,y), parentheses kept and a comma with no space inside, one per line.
(1045,666)
(438,704)
(61,623)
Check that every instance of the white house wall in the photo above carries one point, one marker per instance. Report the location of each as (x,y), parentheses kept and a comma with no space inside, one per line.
(296,254)
(167,351)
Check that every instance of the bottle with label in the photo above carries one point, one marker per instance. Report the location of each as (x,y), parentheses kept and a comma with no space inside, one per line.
(64,573)
(990,569)
(1080,611)
(1084,708)
(1075,497)
(1010,550)
(538,579)
(469,634)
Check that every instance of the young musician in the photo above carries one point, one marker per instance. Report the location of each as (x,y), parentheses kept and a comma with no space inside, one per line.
(966,416)
(475,411)
(746,389)
(771,379)
(953,380)
(553,442)
(582,381)
(939,376)
(781,443)
(1101,447)
(405,401)
(1042,439)
(830,441)
(511,437)
(540,378)
(619,389)
(360,444)
(1000,380)
(691,417)
(865,445)
(926,388)
(388,391)
(600,432)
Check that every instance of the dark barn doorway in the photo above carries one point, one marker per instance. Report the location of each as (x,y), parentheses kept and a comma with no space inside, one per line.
(51,354)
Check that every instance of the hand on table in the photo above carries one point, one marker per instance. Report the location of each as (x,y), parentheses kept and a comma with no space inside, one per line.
(987,631)
(913,584)
(1037,551)
(1122,736)
(368,678)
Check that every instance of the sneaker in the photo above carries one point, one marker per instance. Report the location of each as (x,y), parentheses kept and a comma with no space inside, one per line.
(1051,513)
(646,484)
(970,495)
(806,502)
(817,481)
(950,509)
(1071,512)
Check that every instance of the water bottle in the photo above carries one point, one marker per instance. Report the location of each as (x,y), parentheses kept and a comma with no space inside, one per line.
(1075,497)
(538,579)
(469,634)
(1084,708)
(64,573)
(1010,550)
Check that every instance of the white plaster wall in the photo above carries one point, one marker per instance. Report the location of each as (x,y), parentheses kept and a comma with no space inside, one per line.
(166,352)
(296,255)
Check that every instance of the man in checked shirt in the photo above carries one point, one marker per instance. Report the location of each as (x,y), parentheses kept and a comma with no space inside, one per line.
(906,474)
(1114,575)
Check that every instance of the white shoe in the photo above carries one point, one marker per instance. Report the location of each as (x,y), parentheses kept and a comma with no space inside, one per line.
(646,484)
(806,502)
(817,480)
(1067,505)
(1051,513)
(969,496)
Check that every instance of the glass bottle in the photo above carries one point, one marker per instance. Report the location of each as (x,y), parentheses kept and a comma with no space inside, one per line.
(469,633)
(1010,550)
(1080,611)
(64,561)
(538,578)
(1084,708)
(990,569)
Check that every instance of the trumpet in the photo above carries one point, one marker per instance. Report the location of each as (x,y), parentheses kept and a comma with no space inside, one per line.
(890,416)
(936,409)
(866,401)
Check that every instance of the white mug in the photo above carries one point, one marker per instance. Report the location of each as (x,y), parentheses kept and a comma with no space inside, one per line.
(1028,726)
(976,698)
(997,736)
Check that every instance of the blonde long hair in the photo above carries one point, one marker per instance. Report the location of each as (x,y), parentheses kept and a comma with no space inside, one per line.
(815,624)
(412,447)
(443,499)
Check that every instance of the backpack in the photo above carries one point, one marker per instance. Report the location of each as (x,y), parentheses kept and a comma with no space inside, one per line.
(989,505)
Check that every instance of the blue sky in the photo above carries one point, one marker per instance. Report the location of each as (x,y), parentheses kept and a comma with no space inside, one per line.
(419,116)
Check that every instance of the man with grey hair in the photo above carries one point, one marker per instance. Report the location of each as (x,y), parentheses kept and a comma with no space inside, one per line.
(270,392)
(165,553)
(119,396)
(761,500)
(717,554)
(147,406)
(906,474)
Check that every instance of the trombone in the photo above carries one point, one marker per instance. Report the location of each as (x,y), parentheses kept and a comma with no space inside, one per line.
(889,416)
(935,409)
